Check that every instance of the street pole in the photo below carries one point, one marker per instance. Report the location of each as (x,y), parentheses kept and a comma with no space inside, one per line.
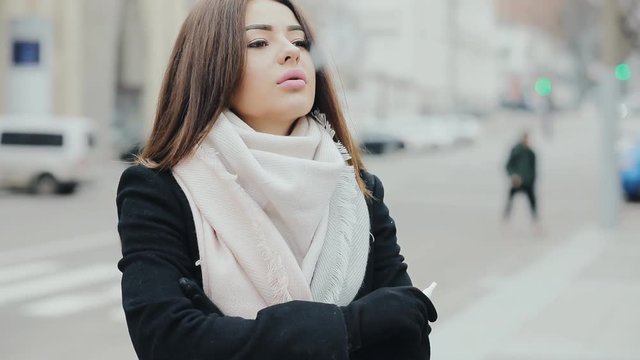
(452,61)
(610,95)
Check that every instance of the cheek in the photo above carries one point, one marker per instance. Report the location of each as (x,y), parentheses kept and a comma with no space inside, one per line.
(313,84)
(251,87)
(311,71)
(252,80)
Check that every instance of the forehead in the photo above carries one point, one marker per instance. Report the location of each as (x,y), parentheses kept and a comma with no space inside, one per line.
(269,12)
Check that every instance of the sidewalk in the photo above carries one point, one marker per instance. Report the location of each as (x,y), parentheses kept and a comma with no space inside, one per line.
(578,301)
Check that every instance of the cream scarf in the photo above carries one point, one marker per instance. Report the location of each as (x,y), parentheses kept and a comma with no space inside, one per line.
(277,218)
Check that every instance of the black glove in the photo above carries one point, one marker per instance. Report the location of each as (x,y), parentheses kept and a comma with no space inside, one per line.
(400,314)
(198,298)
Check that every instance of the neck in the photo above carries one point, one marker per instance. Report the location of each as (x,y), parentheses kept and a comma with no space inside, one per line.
(271,126)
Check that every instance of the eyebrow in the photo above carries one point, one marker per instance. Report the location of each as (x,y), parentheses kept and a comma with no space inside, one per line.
(270,28)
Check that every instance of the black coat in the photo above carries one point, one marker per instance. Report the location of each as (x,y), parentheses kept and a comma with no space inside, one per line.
(522,162)
(159,247)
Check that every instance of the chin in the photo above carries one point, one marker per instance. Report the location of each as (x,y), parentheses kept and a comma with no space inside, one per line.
(295,110)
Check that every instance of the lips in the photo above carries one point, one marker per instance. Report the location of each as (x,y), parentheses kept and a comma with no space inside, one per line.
(293,76)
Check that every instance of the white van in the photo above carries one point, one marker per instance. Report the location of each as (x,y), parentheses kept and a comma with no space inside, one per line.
(50,155)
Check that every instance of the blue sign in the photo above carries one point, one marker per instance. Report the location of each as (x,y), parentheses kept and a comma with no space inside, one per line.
(26,52)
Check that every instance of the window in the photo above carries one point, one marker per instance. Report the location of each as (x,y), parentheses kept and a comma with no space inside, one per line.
(26,53)
(31,139)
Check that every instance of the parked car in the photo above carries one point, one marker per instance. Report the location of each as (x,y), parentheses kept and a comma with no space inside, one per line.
(466,127)
(630,171)
(420,133)
(628,146)
(49,155)
(378,142)
(130,155)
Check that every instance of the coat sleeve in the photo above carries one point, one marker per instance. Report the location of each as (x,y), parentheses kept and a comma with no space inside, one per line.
(389,268)
(534,167)
(510,165)
(164,324)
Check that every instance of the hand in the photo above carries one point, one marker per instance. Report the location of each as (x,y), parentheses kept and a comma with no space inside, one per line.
(516,181)
(400,313)
(198,298)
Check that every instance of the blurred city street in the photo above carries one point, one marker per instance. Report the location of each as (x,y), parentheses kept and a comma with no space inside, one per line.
(438,92)
(566,290)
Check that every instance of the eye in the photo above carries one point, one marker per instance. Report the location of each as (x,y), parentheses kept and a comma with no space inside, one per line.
(305,44)
(258,44)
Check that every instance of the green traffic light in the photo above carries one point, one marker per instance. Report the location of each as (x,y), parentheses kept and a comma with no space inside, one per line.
(543,86)
(623,72)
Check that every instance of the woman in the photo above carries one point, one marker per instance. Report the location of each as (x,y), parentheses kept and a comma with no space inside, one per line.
(249,228)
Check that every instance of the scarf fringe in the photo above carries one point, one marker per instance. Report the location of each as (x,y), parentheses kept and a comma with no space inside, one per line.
(321,118)
(340,283)
(345,208)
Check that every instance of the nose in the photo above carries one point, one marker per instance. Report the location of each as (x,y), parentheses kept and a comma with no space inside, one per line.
(289,53)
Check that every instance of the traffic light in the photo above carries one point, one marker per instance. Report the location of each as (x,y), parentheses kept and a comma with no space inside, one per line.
(623,72)
(543,86)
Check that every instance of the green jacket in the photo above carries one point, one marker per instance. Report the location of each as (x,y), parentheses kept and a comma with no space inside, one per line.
(522,162)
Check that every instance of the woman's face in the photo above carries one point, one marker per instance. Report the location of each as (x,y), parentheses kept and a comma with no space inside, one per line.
(279,80)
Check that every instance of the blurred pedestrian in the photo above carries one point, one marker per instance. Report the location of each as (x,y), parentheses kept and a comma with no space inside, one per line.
(521,169)
(249,227)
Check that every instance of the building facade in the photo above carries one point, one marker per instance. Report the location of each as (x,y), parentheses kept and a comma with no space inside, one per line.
(543,14)
(98,59)
(105,59)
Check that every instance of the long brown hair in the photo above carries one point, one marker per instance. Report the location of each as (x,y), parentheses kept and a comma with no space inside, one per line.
(205,68)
